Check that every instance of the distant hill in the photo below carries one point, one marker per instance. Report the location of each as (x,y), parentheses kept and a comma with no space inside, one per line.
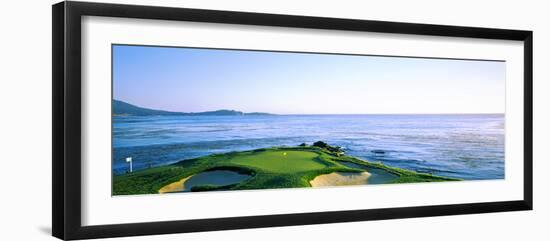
(123,108)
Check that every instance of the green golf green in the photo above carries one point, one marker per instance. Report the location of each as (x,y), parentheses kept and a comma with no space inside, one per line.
(281,161)
(278,167)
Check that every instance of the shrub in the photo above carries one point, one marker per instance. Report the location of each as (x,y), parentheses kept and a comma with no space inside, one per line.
(320,144)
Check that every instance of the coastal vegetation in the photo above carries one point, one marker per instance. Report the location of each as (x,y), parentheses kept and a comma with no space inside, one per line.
(266,168)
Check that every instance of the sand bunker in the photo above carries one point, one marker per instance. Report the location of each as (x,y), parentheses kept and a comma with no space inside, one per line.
(215,178)
(178,186)
(340,179)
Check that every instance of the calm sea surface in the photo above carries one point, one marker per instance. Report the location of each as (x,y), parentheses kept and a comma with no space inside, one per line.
(463,146)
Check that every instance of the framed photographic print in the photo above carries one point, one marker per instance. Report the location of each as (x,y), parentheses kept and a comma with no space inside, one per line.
(171,120)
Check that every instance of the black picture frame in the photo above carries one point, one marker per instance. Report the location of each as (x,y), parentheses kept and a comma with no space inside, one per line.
(66,157)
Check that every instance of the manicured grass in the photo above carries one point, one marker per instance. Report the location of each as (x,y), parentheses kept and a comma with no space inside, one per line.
(282,167)
(281,161)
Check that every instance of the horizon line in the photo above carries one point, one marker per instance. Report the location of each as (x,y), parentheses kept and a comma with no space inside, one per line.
(404,113)
(269,113)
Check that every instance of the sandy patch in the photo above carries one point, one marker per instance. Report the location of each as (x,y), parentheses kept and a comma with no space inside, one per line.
(178,186)
(340,179)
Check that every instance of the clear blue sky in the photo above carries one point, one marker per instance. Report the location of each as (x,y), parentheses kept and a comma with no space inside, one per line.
(194,80)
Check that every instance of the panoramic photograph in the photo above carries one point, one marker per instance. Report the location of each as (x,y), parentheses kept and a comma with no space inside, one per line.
(201,119)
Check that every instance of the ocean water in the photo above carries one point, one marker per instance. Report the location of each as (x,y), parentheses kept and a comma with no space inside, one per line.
(463,146)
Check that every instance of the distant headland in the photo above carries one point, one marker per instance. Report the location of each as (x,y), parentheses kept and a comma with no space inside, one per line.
(121,108)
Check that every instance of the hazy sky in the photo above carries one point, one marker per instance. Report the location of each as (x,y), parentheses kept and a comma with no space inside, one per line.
(194,80)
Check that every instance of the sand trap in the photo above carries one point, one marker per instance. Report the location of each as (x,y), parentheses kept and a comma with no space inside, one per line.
(178,186)
(215,178)
(340,179)
(377,175)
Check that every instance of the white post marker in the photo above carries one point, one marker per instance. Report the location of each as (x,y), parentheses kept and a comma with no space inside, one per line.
(129,159)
